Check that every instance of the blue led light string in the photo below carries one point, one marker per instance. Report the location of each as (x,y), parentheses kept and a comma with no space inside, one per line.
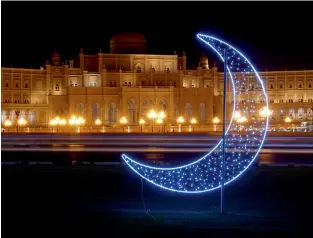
(204,174)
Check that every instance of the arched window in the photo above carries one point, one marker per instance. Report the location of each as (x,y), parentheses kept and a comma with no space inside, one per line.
(176,111)
(162,105)
(291,113)
(132,111)
(3,116)
(95,112)
(31,117)
(57,87)
(112,113)
(188,111)
(80,109)
(202,113)
(12,115)
(301,113)
(146,106)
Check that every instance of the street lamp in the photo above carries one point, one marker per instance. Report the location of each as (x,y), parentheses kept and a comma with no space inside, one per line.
(98,122)
(152,115)
(57,122)
(76,121)
(265,112)
(7,123)
(21,122)
(159,121)
(215,122)
(193,121)
(123,121)
(180,120)
(240,121)
(288,120)
(141,122)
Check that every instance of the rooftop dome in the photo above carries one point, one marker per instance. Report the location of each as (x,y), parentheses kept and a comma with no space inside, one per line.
(128,43)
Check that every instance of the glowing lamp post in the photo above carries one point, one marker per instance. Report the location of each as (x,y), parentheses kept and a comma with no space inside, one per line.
(193,122)
(288,120)
(56,122)
(123,121)
(215,122)
(7,123)
(180,120)
(161,116)
(98,122)
(141,122)
(21,122)
(152,115)
(240,121)
(76,122)
(159,121)
(265,112)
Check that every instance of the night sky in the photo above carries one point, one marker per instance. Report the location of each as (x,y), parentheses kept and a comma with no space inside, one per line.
(275,36)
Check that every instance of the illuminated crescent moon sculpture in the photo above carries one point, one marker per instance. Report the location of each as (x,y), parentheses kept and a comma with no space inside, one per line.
(241,149)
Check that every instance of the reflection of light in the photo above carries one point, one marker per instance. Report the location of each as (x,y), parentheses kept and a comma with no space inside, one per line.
(7,123)
(98,122)
(161,115)
(193,121)
(159,121)
(142,121)
(180,120)
(57,121)
(237,114)
(152,114)
(216,120)
(22,121)
(76,121)
(288,120)
(242,119)
(265,111)
(123,120)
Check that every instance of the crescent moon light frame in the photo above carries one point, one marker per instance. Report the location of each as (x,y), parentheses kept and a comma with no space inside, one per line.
(204,174)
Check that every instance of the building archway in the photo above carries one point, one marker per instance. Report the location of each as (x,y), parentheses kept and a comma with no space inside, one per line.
(132,111)
(188,111)
(202,113)
(146,106)
(112,112)
(95,112)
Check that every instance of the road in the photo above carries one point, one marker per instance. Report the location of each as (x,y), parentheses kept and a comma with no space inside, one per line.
(142,143)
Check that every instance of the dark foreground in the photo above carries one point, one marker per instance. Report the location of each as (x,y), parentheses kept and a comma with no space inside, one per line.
(110,201)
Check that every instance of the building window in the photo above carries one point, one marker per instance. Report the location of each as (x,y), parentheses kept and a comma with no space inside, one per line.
(6,85)
(271,86)
(57,87)
(310,85)
(281,86)
(300,85)
(142,83)
(16,85)
(125,83)
(114,84)
(129,84)
(110,83)
(26,100)
(290,86)
(16,101)
(26,85)
(174,84)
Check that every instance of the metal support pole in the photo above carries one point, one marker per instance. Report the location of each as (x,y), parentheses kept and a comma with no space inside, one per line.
(224,132)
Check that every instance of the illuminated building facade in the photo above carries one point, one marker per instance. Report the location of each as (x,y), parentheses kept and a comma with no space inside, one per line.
(127,82)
